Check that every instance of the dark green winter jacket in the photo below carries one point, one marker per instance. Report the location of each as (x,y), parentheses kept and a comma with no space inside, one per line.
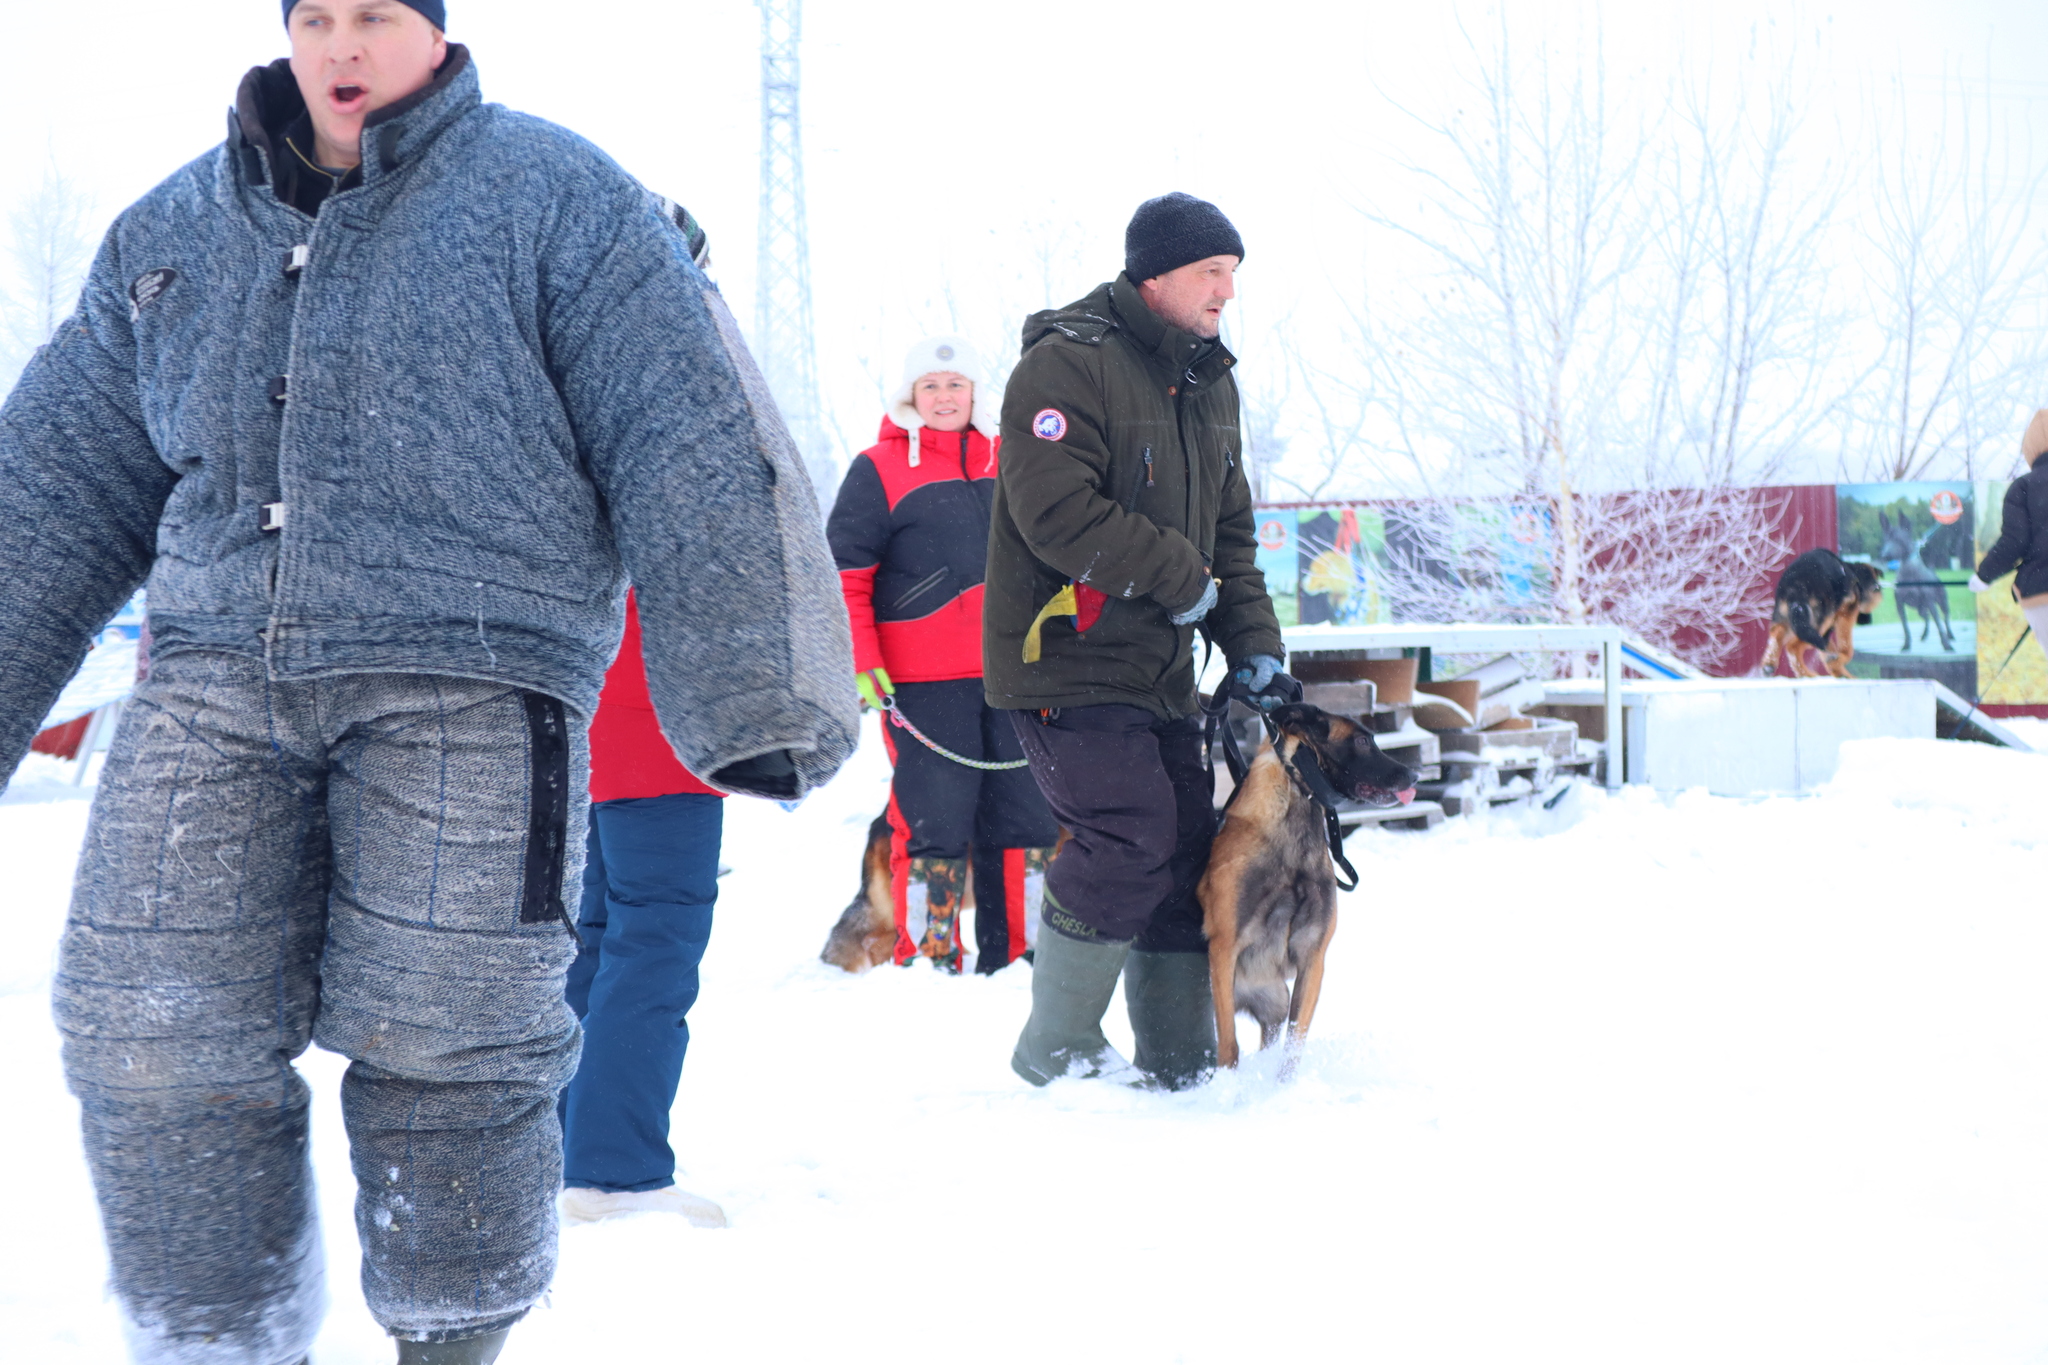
(1123,474)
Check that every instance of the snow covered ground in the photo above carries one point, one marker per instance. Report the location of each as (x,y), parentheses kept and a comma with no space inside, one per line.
(1645,1079)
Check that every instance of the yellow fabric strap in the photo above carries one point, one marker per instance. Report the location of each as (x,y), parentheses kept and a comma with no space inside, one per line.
(1063,604)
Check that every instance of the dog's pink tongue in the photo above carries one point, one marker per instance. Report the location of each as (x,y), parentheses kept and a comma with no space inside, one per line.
(1406,796)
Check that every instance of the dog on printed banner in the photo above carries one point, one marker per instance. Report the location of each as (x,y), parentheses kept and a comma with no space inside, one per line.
(1269,898)
(1821,599)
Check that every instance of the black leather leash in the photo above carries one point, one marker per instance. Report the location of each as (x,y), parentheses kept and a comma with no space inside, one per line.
(1216,718)
(1323,794)
(1978,700)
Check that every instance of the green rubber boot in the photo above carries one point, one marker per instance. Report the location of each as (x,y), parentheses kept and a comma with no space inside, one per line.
(1172,1017)
(468,1351)
(1071,983)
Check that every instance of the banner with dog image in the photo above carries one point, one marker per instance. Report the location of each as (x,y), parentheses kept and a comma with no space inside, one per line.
(1923,539)
(2011,673)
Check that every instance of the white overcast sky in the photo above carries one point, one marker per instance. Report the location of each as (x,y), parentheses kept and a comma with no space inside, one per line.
(941,136)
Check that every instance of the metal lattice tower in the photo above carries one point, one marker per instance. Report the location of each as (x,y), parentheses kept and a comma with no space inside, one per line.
(783,339)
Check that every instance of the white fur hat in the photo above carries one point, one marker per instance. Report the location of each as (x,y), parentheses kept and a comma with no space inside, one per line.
(937,355)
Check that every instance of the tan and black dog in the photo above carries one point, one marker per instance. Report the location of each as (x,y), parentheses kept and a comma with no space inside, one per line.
(865,935)
(1269,898)
(1820,600)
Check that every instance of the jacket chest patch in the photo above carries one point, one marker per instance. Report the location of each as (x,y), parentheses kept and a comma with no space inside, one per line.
(149,286)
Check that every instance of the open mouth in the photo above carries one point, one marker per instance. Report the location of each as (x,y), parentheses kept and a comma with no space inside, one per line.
(347,94)
(1383,796)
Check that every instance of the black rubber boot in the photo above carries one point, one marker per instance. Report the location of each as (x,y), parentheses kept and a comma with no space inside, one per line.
(468,1351)
(1071,983)
(1172,1018)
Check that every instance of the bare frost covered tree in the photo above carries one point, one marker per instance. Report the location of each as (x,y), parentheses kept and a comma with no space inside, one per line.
(1953,292)
(1736,300)
(48,251)
(1591,370)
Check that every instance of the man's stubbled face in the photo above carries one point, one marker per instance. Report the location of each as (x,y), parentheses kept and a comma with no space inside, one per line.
(352,57)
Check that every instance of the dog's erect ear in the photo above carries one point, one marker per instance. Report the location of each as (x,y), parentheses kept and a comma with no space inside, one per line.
(1310,722)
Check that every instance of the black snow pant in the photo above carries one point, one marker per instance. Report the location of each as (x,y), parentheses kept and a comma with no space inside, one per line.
(1139,803)
(942,809)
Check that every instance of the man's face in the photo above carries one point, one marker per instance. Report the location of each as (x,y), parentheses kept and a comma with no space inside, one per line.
(1192,297)
(354,56)
(945,401)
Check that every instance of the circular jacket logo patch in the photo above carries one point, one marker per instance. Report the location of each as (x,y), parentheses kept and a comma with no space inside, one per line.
(1049,425)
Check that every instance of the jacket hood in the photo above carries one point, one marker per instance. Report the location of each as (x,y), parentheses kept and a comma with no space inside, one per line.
(268,101)
(938,355)
(1118,306)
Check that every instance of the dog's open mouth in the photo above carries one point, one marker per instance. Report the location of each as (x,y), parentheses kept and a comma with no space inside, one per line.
(1383,796)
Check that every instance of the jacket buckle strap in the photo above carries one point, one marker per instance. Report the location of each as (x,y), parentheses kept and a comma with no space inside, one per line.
(296,259)
(273,517)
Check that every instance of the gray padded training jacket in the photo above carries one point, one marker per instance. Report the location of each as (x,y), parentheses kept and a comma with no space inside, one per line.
(493,390)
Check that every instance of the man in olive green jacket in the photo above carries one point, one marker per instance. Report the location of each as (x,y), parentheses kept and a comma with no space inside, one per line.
(1122,528)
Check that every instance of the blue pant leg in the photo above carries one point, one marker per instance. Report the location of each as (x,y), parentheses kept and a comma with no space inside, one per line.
(661,879)
(590,924)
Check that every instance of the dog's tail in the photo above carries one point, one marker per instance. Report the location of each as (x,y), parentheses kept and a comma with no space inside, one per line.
(1799,615)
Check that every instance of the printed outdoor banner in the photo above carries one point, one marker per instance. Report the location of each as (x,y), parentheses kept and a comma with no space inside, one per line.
(1922,536)
(1342,551)
(1500,553)
(1279,560)
(1333,563)
(2011,670)
(1516,539)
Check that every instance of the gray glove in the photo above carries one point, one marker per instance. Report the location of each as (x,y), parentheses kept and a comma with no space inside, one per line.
(1269,687)
(1199,609)
(1256,672)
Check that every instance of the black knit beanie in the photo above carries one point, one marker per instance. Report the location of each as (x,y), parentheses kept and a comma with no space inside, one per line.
(1168,232)
(435,12)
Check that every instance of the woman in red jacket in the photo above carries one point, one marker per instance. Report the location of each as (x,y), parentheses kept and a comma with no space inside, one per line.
(910,533)
(649,880)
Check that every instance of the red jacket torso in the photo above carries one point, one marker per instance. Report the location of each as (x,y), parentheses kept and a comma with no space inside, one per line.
(911,543)
(629,755)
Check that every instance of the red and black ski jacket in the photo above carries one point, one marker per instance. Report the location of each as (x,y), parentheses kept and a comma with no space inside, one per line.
(911,542)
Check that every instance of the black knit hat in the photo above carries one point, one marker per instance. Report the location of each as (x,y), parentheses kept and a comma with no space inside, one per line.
(435,12)
(1168,232)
